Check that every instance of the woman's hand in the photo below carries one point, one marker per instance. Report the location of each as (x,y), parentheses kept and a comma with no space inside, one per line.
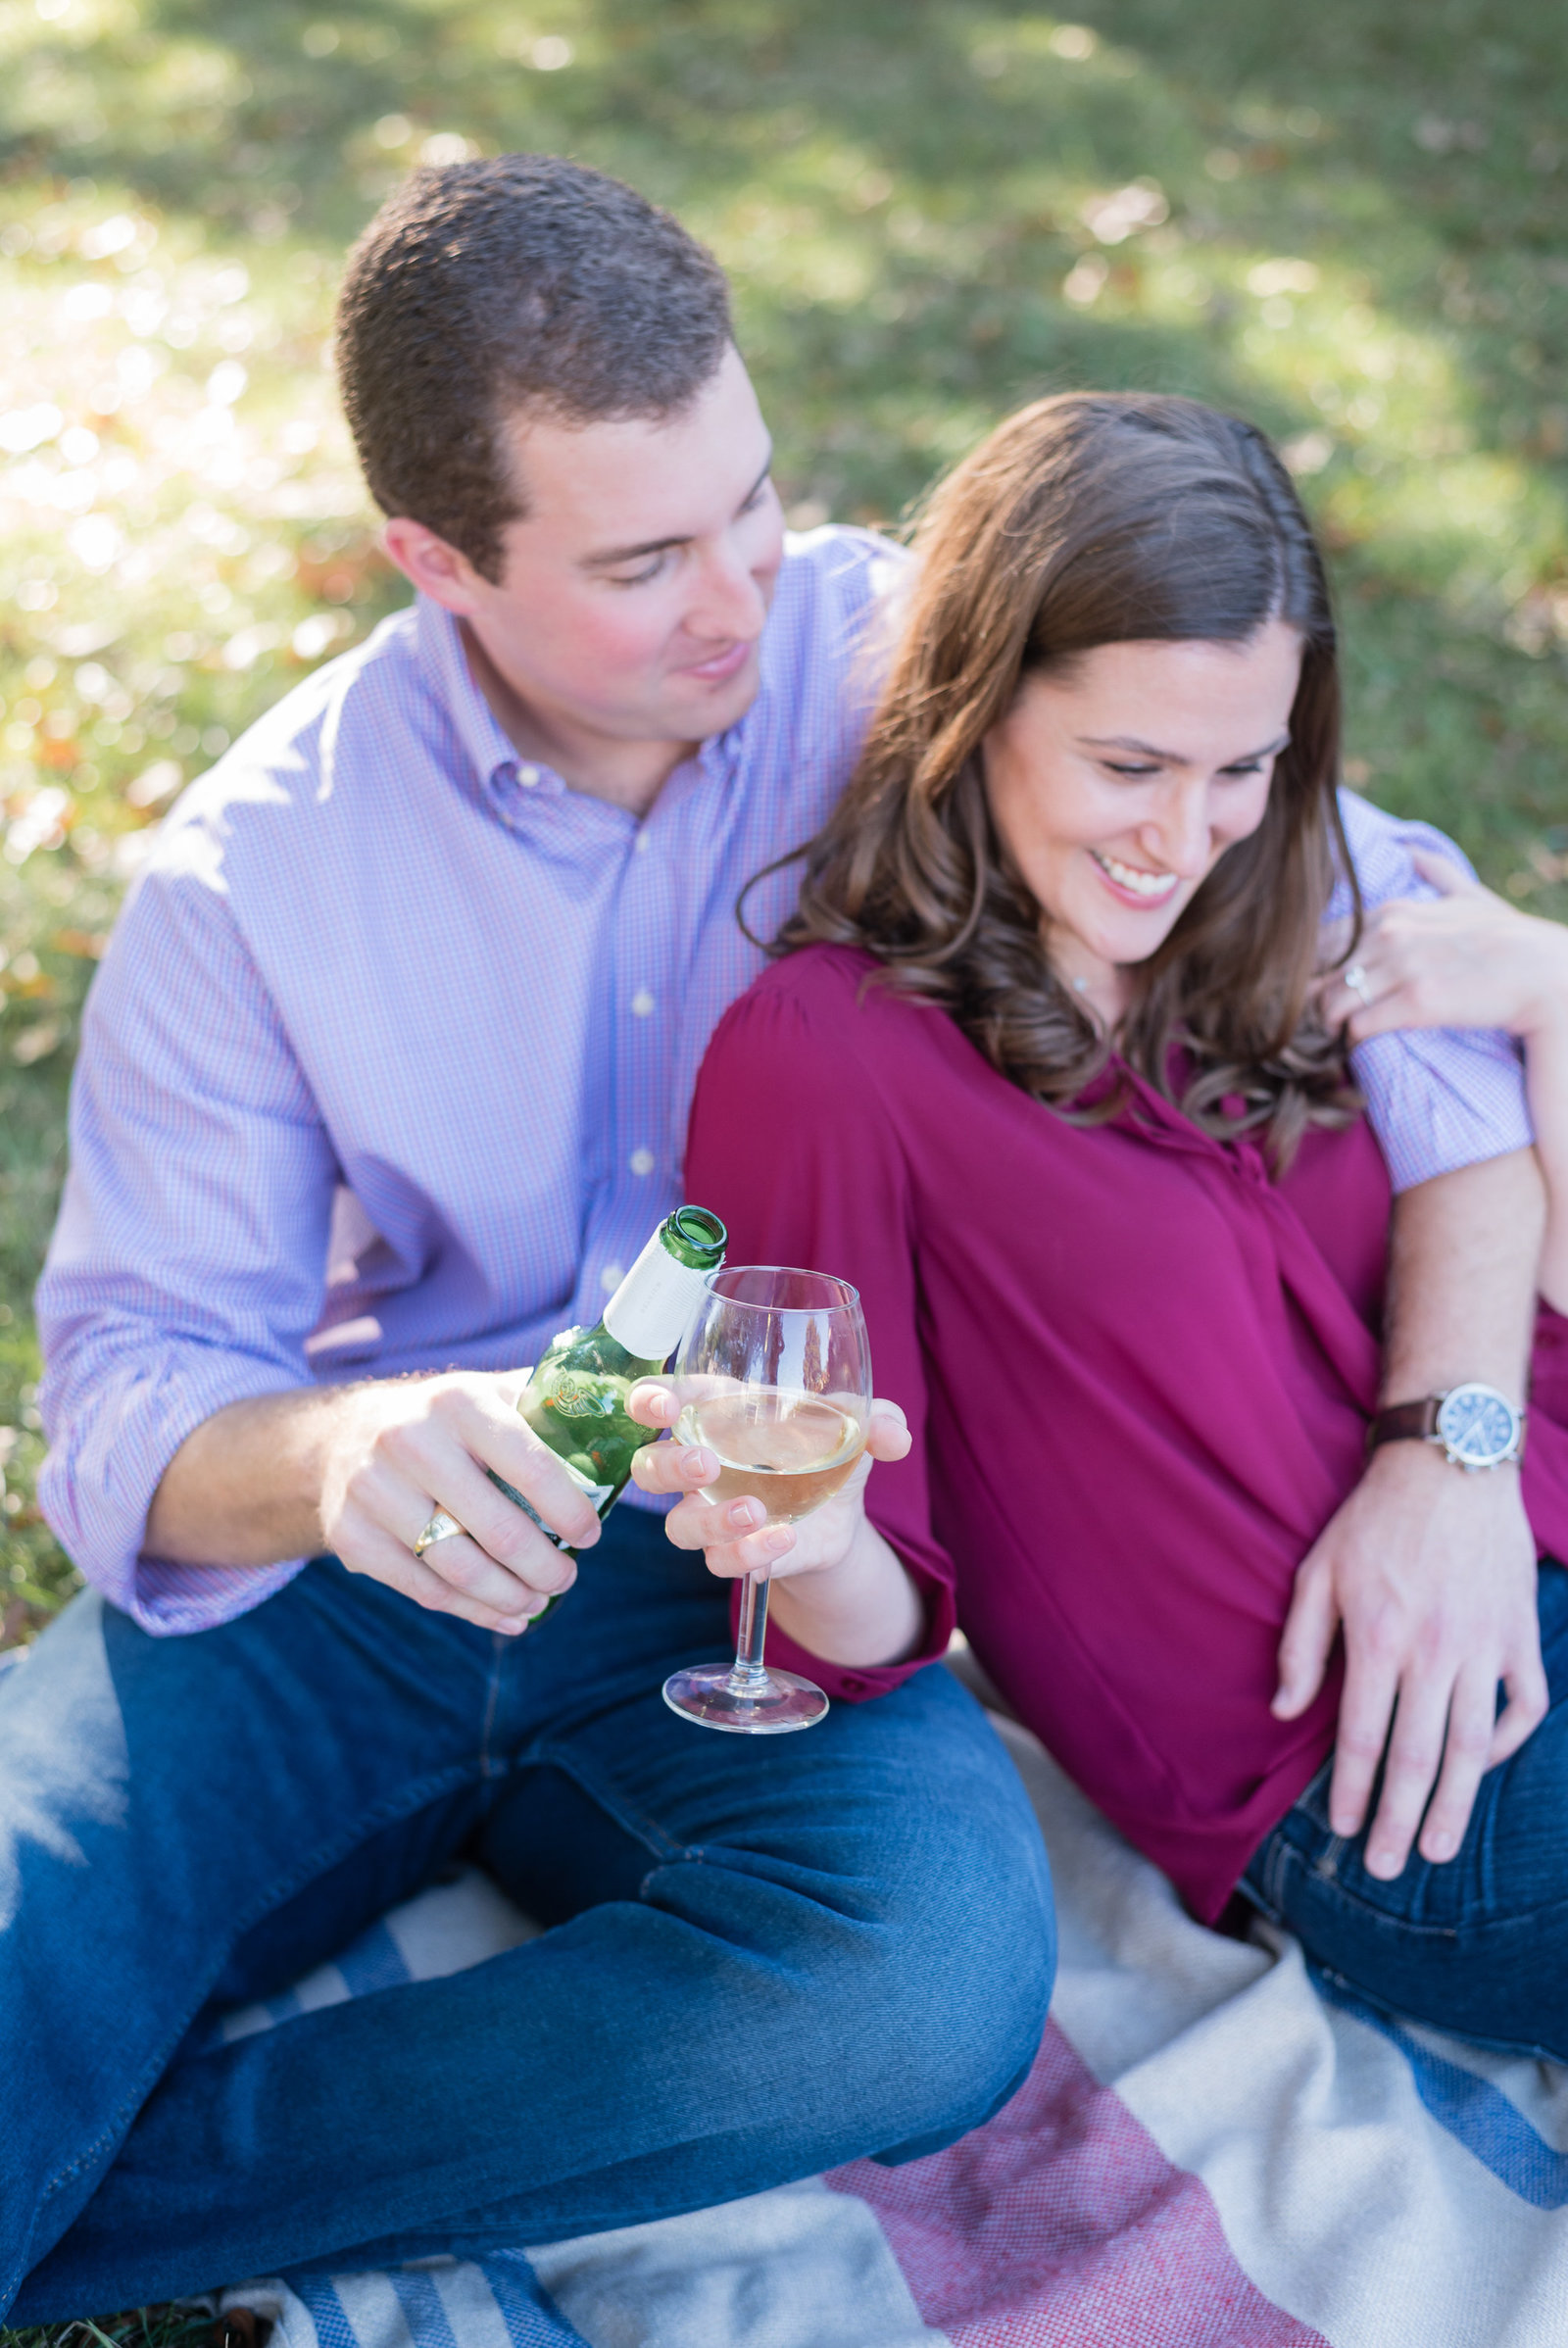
(1463,959)
(730,1534)
(839,1588)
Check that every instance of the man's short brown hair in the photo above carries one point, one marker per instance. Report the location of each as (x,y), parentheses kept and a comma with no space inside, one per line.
(484,289)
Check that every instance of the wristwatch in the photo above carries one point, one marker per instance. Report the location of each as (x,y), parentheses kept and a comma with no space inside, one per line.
(1477,1427)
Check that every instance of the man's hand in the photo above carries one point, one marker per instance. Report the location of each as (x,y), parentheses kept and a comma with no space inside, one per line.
(1463,959)
(360,1470)
(1468,958)
(839,1588)
(408,1448)
(1431,1574)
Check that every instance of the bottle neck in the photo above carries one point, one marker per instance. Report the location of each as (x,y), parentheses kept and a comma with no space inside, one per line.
(649,1313)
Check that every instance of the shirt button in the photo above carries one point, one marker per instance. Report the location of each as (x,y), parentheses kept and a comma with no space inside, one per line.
(610,1278)
(641,1161)
(528,776)
(641,843)
(642,1002)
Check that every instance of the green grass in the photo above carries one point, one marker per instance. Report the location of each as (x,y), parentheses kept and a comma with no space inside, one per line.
(143,2328)
(1346,223)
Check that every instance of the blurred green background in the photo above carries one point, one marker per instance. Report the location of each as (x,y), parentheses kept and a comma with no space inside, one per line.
(1347,221)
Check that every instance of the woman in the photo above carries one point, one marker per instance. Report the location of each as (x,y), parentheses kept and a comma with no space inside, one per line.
(1051,1070)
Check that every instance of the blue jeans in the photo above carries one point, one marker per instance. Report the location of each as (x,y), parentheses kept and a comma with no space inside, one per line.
(765,1955)
(1478,1945)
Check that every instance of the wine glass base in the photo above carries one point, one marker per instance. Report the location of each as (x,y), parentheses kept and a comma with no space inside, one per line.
(706,1693)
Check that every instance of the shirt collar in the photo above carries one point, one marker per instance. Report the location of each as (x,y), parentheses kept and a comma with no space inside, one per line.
(445,660)
(490,751)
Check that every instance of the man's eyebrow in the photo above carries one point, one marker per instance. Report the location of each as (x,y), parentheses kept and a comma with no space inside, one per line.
(1171,758)
(615,555)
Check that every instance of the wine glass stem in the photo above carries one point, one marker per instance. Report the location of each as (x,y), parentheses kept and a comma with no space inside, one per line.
(749,1675)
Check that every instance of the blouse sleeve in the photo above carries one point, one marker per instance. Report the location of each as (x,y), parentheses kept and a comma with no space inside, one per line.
(795,1142)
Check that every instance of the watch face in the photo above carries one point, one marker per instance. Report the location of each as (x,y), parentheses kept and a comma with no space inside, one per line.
(1478,1425)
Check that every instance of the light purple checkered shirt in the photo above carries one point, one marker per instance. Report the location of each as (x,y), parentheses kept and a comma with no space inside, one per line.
(388,1064)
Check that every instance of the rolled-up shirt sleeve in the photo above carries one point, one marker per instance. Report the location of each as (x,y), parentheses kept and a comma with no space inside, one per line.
(1438,1098)
(188,1263)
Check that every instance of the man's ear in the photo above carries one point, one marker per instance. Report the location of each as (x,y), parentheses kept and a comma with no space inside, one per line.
(437,570)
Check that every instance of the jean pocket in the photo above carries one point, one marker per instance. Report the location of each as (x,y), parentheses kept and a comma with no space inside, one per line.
(1313,1803)
(1309,1878)
(1304,1840)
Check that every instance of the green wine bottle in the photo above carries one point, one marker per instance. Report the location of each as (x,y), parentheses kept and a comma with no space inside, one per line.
(575,1399)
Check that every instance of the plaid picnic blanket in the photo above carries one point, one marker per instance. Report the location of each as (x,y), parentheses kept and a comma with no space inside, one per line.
(1208,2154)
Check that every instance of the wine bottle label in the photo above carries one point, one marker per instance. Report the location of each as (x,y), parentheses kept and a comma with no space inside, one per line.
(597,1495)
(649,1311)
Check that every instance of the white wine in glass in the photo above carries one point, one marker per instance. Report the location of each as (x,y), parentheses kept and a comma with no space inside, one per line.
(774,1377)
(804,1445)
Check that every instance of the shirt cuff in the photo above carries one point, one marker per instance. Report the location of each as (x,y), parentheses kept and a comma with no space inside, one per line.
(168,1599)
(98,1481)
(856,1683)
(1443,1098)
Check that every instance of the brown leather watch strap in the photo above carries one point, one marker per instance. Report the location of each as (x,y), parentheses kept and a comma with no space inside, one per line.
(1405,1422)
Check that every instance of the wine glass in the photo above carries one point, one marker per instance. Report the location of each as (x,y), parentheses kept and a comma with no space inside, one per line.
(773,1375)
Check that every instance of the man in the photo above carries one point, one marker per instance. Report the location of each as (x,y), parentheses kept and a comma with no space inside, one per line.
(386,1073)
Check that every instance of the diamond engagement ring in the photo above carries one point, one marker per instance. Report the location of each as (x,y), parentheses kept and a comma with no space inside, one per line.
(440,1528)
(1355,980)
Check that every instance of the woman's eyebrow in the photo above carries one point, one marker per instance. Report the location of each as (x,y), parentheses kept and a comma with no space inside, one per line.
(1143,749)
(1171,758)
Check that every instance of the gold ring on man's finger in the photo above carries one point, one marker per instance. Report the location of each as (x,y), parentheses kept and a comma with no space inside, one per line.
(440,1528)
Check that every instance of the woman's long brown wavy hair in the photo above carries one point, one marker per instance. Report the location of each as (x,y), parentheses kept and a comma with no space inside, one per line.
(1088,519)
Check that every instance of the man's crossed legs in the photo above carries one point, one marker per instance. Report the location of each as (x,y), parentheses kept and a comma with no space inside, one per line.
(765,1955)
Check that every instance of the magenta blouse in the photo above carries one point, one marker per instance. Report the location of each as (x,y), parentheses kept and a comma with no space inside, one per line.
(1137,1369)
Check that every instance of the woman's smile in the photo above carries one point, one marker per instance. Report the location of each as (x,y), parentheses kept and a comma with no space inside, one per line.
(1166,748)
(1131,883)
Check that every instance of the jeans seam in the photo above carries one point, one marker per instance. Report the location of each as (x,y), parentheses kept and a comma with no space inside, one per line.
(382,1814)
(1275,1872)
(487,1768)
(1326,1866)
(1365,1908)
